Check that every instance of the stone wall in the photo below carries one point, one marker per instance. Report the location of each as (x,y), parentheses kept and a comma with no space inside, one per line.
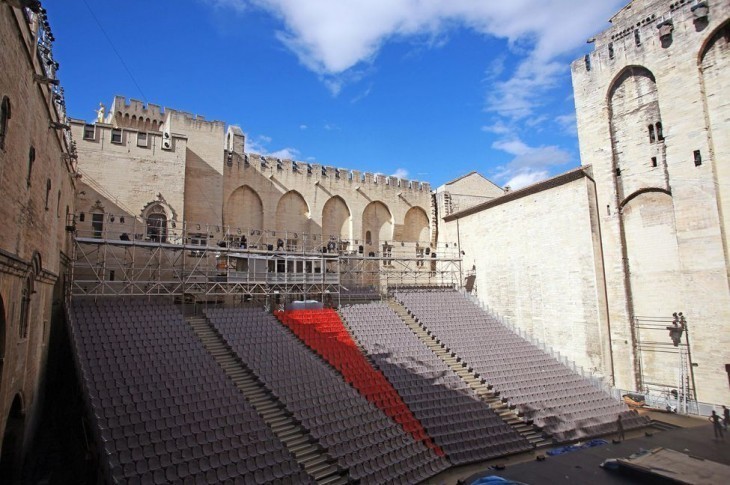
(130,174)
(323,202)
(535,253)
(650,114)
(465,192)
(36,193)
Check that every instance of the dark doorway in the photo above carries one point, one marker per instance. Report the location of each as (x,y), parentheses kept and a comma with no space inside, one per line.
(2,339)
(12,451)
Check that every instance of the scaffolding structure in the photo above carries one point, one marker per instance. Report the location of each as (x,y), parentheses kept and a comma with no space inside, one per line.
(259,264)
(654,340)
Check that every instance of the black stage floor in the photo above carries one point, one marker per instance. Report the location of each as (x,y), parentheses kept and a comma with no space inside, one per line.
(582,466)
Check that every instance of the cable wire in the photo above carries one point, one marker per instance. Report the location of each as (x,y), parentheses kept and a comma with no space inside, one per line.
(108,39)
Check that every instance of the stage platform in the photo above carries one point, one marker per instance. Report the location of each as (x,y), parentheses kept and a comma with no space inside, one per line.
(583,466)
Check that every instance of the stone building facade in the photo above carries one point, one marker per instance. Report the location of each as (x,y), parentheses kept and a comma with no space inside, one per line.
(536,254)
(596,265)
(142,161)
(581,261)
(37,178)
(653,121)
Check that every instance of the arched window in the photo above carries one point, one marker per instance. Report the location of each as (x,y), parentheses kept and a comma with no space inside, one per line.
(368,238)
(31,159)
(4,117)
(48,191)
(58,205)
(652,137)
(97,224)
(156,223)
(659,132)
(25,297)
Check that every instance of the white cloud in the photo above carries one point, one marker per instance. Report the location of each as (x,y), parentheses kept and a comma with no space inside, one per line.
(400,173)
(286,153)
(496,68)
(258,145)
(523,179)
(498,128)
(568,124)
(536,120)
(518,96)
(530,164)
(331,37)
(237,5)
(513,146)
(303,127)
(362,95)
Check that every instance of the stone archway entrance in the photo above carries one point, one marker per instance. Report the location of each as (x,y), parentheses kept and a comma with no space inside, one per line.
(12,446)
(2,339)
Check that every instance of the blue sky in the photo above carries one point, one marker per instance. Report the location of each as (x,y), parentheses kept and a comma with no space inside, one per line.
(426,89)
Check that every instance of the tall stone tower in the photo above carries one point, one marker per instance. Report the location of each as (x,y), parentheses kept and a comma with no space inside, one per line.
(653,115)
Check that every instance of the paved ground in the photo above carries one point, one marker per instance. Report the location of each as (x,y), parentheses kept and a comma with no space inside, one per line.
(582,467)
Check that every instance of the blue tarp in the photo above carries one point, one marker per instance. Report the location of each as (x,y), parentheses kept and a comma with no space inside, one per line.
(494,480)
(569,448)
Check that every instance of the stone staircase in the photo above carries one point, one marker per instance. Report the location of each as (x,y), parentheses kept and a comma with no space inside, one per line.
(473,380)
(307,452)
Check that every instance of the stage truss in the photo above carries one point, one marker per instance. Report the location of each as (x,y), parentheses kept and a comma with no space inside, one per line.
(115,267)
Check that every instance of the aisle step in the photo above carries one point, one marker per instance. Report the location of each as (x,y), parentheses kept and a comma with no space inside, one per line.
(468,375)
(313,458)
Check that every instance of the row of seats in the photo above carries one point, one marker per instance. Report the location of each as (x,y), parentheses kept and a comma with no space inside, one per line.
(458,420)
(169,414)
(363,440)
(566,405)
(323,332)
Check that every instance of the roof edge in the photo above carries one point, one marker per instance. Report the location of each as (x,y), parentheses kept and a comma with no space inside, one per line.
(558,180)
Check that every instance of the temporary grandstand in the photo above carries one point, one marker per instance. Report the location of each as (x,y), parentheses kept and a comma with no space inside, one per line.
(396,383)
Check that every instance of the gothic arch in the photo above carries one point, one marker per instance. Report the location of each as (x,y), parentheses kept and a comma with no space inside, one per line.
(159,205)
(158,217)
(12,444)
(27,292)
(714,68)
(643,191)
(723,30)
(156,222)
(652,257)
(36,263)
(378,220)
(415,226)
(637,134)
(624,74)
(292,215)
(244,210)
(3,336)
(336,219)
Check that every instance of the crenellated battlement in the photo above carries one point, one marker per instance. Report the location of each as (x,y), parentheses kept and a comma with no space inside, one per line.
(133,113)
(273,167)
(644,26)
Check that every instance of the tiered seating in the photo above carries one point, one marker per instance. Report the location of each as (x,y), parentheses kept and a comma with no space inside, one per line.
(163,410)
(565,404)
(323,331)
(463,425)
(360,294)
(358,435)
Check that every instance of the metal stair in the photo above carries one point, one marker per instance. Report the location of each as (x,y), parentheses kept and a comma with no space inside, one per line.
(306,450)
(473,380)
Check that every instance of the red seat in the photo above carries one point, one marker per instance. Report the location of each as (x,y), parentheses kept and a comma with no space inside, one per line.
(324,333)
